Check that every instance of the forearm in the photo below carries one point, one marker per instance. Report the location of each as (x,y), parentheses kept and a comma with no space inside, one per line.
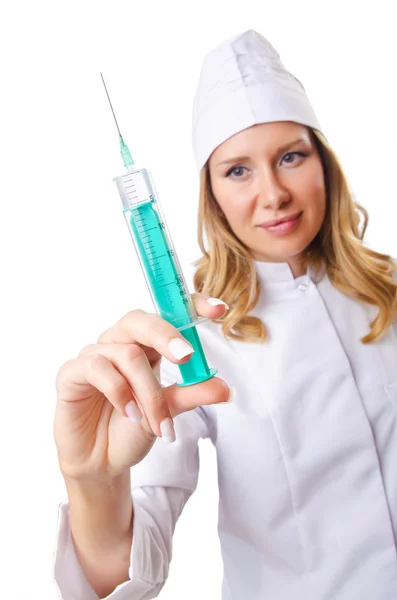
(101,519)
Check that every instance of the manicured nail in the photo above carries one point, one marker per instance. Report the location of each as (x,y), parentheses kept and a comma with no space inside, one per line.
(133,412)
(232,395)
(216,302)
(167,431)
(179,348)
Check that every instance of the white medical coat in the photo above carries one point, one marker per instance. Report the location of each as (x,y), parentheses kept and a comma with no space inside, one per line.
(306,454)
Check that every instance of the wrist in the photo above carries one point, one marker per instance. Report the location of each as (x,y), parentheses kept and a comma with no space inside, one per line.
(89,487)
(102,508)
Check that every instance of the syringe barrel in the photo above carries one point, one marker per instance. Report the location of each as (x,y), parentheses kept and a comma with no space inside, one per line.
(159,262)
(160,265)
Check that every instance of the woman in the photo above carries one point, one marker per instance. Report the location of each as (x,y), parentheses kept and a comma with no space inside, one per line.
(308,340)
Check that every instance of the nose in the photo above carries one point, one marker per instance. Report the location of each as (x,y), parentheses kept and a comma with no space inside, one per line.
(271,193)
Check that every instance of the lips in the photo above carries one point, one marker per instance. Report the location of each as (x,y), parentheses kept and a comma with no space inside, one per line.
(278,221)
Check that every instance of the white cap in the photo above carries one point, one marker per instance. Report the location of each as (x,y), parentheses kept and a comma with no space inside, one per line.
(243,83)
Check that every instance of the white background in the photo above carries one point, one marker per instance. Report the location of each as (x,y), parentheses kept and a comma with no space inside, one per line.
(68,268)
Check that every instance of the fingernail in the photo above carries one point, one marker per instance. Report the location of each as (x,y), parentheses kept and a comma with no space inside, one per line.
(132,411)
(217,302)
(232,397)
(167,431)
(232,394)
(179,348)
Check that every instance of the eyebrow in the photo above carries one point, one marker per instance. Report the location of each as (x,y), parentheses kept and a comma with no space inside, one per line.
(242,158)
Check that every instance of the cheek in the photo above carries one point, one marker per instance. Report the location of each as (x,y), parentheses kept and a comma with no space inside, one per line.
(234,207)
(317,203)
(237,214)
(319,183)
(312,190)
(320,193)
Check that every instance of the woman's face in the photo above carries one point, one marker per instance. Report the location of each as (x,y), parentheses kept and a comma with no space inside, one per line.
(267,172)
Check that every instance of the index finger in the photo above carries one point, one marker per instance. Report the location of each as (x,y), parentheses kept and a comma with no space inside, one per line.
(144,328)
(156,336)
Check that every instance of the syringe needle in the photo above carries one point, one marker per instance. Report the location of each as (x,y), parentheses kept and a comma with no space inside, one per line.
(107,93)
(124,150)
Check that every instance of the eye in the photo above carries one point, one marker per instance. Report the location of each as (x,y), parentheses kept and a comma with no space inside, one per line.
(234,170)
(292,154)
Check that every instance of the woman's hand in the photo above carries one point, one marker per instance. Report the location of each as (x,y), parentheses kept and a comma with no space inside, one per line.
(98,395)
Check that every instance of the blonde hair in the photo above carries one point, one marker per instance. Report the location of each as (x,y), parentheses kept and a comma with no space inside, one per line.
(227,269)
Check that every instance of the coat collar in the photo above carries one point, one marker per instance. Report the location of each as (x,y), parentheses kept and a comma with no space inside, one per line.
(274,271)
(278,282)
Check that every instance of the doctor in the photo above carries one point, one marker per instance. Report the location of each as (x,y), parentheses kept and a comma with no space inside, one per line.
(307,449)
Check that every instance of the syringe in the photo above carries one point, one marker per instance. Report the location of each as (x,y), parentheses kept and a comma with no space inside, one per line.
(158,260)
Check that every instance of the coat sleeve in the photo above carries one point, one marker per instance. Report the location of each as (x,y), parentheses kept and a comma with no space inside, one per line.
(160,487)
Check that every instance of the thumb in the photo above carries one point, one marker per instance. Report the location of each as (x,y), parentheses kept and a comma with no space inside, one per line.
(183,399)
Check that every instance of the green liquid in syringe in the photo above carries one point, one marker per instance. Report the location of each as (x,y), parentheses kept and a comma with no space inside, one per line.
(165,283)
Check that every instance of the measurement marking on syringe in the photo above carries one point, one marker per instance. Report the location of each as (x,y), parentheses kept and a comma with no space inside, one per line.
(167,284)
(147,236)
